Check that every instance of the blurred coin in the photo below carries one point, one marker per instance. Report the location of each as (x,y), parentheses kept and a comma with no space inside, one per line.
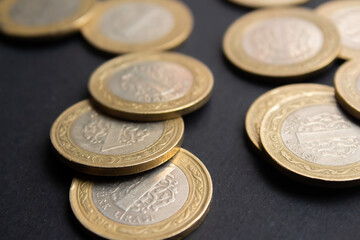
(268,3)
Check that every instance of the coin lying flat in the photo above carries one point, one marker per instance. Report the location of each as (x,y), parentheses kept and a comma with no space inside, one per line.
(266,101)
(345,15)
(123,26)
(268,3)
(312,140)
(168,201)
(283,42)
(151,86)
(94,143)
(43,18)
(347,87)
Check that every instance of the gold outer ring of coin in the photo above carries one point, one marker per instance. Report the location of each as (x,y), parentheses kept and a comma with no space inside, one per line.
(66,26)
(186,220)
(267,100)
(347,87)
(267,3)
(74,156)
(290,164)
(180,32)
(238,56)
(327,10)
(195,98)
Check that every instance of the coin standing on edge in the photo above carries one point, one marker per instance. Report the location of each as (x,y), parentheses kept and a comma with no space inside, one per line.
(283,42)
(268,3)
(310,139)
(347,87)
(43,18)
(169,201)
(94,143)
(151,86)
(345,15)
(123,26)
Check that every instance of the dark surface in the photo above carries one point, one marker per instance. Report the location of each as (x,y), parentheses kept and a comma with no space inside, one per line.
(251,200)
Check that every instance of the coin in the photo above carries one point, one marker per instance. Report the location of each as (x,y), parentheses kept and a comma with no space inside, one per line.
(267,3)
(266,101)
(94,143)
(168,201)
(283,42)
(43,18)
(151,86)
(124,26)
(345,15)
(312,140)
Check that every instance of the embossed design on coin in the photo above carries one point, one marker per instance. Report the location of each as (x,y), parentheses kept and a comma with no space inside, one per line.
(143,199)
(151,82)
(322,134)
(136,22)
(104,135)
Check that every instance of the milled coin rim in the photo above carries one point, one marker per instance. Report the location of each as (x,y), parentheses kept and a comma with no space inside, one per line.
(180,224)
(267,3)
(66,26)
(112,165)
(183,20)
(242,60)
(196,97)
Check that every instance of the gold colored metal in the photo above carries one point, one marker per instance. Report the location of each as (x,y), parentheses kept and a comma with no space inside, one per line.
(268,3)
(148,157)
(197,95)
(347,87)
(271,98)
(303,20)
(177,226)
(180,31)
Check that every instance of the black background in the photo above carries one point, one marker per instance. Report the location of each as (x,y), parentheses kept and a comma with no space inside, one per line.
(251,200)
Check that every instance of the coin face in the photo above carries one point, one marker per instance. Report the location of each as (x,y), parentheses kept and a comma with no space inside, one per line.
(159,204)
(92,142)
(151,86)
(285,42)
(40,18)
(128,25)
(268,3)
(346,16)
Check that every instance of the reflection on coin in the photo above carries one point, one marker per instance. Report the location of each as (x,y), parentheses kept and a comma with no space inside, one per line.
(151,86)
(347,87)
(284,42)
(266,101)
(268,3)
(136,25)
(43,18)
(345,15)
(94,143)
(311,139)
(165,202)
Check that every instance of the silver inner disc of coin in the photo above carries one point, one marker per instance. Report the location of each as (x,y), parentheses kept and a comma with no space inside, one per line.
(39,13)
(136,22)
(347,21)
(151,82)
(283,40)
(322,134)
(101,134)
(145,198)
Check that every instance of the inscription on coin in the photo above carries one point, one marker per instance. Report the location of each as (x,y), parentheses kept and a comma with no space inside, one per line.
(104,135)
(145,198)
(322,134)
(283,40)
(136,22)
(151,82)
(42,12)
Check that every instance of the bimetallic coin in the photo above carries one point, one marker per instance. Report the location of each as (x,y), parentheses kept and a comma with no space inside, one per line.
(123,26)
(269,99)
(345,15)
(94,143)
(267,3)
(312,140)
(284,42)
(167,202)
(347,87)
(43,18)
(151,86)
